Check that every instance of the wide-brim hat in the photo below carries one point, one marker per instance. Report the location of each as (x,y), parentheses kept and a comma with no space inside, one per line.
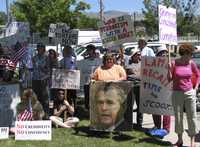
(161,49)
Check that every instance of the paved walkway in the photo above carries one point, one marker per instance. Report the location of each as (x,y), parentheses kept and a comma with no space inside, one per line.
(172,137)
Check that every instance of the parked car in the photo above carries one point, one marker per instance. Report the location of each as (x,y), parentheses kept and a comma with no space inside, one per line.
(128,47)
(196,59)
(81,53)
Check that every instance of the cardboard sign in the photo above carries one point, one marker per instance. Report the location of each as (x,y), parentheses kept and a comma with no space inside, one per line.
(116,31)
(155,90)
(9,98)
(87,67)
(52,30)
(65,79)
(111,106)
(71,37)
(33,130)
(18,28)
(4,131)
(167,25)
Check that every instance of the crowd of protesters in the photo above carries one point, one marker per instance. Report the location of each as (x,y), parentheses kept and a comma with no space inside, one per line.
(180,73)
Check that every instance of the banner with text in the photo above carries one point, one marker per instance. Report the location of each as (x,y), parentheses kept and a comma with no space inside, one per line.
(116,31)
(9,98)
(155,90)
(33,130)
(167,25)
(65,79)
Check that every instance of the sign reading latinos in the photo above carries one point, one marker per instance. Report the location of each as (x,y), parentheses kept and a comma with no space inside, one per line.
(9,98)
(116,31)
(4,131)
(33,130)
(167,25)
(65,79)
(155,90)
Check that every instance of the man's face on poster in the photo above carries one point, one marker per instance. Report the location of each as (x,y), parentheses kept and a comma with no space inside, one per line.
(108,107)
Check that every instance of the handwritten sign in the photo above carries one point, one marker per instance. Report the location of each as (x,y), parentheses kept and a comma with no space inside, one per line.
(167,25)
(33,130)
(4,131)
(155,90)
(116,31)
(9,98)
(87,67)
(65,79)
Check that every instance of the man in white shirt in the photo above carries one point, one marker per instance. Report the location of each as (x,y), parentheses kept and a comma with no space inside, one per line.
(145,51)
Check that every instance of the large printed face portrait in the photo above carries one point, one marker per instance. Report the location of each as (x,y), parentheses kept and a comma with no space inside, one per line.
(108,105)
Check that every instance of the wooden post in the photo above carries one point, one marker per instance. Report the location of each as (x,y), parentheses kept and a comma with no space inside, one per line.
(65,113)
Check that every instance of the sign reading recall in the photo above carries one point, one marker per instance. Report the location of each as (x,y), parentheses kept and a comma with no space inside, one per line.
(33,130)
(167,25)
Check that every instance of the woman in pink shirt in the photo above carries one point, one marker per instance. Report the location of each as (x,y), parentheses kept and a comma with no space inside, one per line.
(184,95)
(109,71)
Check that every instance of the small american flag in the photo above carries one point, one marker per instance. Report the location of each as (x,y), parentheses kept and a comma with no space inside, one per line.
(18,54)
(27,114)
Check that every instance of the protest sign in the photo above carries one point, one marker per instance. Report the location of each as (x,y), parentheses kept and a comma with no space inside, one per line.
(33,130)
(52,30)
(111,106)
(18,28)
(87,67)
(167,25)
(4,131)
(116,31)
(9,98)
(65,79)
(155,90)
(71,37)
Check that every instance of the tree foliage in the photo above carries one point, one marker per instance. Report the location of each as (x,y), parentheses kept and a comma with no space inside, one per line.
(3,18)
(186,15)
(40,13)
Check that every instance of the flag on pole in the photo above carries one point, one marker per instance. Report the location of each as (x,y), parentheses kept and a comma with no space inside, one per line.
(27,114)
(19,54)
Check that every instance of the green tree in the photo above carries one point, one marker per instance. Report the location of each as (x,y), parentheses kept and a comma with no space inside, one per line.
(3,18)
(40,13)
(186,15)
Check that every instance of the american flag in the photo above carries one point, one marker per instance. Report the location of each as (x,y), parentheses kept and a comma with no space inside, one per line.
(18,54)
(27,114)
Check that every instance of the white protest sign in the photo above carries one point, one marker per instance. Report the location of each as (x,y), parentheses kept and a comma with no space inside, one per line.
(167,25)
(33,130)
(87,67)
(4,131)
(155,90)
(61,32)
(116,31)
(71,38)
(52,30)
(18,28)
(65,79)
(9,98)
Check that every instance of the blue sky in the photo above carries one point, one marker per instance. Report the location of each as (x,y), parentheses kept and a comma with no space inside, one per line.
(122,5)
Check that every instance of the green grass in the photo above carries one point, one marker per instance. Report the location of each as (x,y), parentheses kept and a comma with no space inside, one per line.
(83,137)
